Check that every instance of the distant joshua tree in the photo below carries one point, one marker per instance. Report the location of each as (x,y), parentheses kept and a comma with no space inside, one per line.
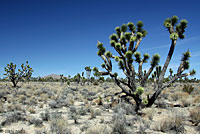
(170,73)
(126,44)
(88,73)
(23,74)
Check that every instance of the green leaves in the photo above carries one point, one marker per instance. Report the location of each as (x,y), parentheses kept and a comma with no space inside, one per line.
(118,46)
(112,43)
(139,90)
(174,20)
(186,65)
(176,30)
(192,72)
(117,58)
(183,23)
(127,35)
(124,28)
(95,69)
(167,23)
(186,56)
(146,57)
(108,54)
(137,57)
(139,35)
(140,24)
(128,54)
(155,60)
(101,49)
(174,36)
(114,37)
(121,64)
(131,26)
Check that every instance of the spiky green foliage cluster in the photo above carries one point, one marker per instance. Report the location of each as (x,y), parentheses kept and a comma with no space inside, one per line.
(185,59)
(146,57)
(192,72)
(137,57)
(176,30)
(122,36)
(108,54)
(155,60)
(139,90)
(23,74)
(101,49)
(95,69)
(87,68)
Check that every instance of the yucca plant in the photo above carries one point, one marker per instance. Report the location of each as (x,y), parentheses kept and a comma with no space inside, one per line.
(125,42)
(23,74)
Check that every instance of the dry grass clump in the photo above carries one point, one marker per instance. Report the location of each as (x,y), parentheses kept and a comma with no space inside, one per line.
(173,123)
(179,95)
(196,99)
(119,122)
(59,126)
(98,129)
(195,115)
(31,110)
(1,108)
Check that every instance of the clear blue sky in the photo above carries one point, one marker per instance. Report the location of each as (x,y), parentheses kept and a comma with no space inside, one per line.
(60,36)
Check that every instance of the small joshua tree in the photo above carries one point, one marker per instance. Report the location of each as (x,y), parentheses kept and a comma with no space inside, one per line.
(23,74)
(170,73)
(88,72)
(126,44)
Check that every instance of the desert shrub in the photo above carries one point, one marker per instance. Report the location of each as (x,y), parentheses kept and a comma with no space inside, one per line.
(186,102)
(188,88)
(35,121)
(74,113)
(95,83)
(82,111)
(119,122)
(53,104)
(59,126)
(98,129)
(195,115)
(92,115)
(144,125)
(45,116)
(31,110)
(198,128)
(13,117)
(20,131)
(160,103)
(97,112)
(174,123)
(129,108)
(1,108)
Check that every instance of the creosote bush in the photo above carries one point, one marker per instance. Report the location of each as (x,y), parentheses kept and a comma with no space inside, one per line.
(126,42)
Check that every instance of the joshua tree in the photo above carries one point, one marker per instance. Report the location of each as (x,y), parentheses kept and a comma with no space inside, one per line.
(77,78)
(171,72)
(126,44)
(88,72)
(23,74)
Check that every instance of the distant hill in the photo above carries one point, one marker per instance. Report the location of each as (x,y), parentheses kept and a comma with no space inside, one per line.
(54,76)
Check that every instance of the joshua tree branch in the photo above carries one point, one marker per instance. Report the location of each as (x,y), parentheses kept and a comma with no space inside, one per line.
(169,56)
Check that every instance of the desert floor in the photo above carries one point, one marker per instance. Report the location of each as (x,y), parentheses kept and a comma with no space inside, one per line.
(56,108)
